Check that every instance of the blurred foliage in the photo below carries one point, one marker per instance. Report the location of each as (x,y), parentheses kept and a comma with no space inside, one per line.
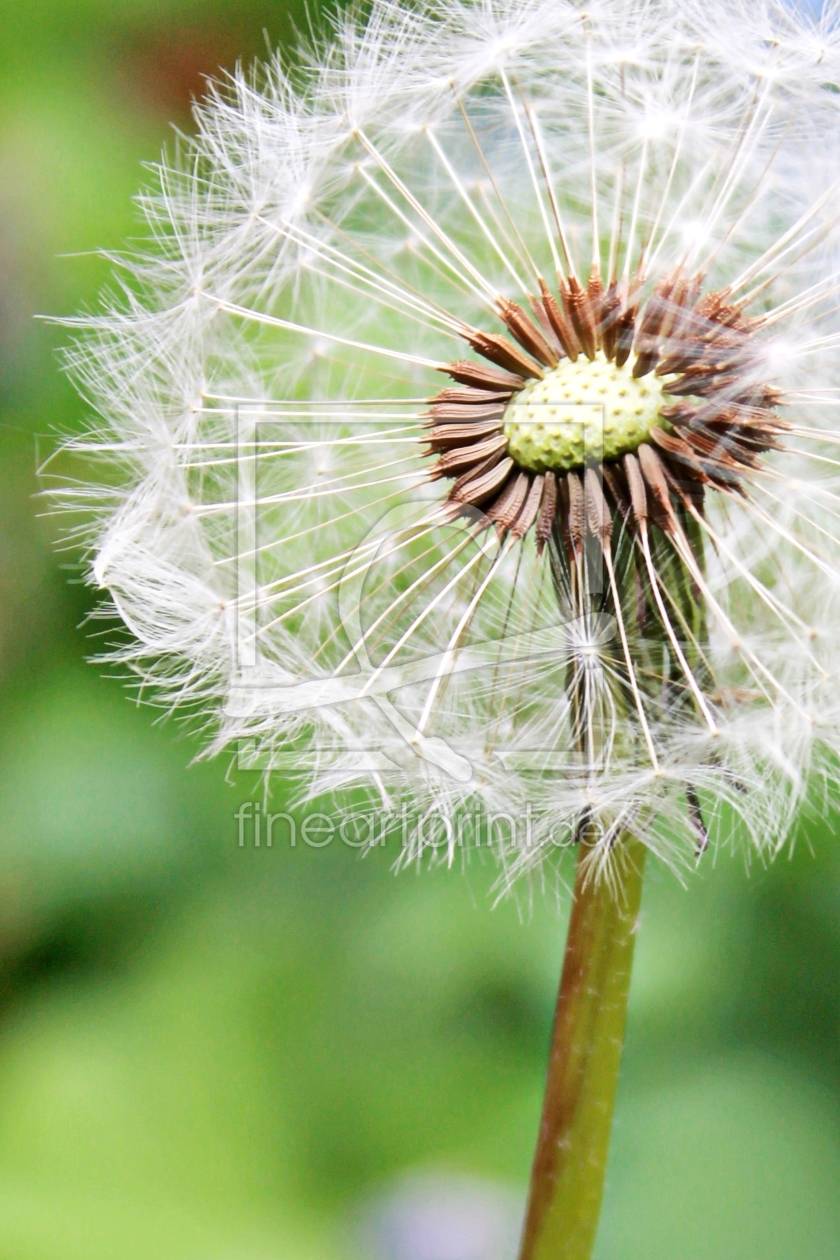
(207,1050)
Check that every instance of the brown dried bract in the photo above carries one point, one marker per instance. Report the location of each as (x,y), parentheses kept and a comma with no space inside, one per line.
(706,353)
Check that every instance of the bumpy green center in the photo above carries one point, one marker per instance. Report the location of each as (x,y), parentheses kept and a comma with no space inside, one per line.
(580,413)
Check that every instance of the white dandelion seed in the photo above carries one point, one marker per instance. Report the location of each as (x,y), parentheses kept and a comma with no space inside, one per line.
(596,571)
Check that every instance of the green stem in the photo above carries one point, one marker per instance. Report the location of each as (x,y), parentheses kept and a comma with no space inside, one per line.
(567,1180)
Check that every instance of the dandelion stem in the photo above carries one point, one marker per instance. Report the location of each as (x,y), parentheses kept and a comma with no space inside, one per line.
(567,1179)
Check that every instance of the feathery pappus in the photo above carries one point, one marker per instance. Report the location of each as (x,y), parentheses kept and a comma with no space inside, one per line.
(470,422)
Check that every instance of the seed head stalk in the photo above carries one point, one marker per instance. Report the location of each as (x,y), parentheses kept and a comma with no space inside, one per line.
(570,1162)
(567,1180)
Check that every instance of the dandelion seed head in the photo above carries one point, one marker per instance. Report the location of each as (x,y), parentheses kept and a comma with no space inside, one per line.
(336,515)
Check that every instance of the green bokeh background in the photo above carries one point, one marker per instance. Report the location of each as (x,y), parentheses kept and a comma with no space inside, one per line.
(208,1051)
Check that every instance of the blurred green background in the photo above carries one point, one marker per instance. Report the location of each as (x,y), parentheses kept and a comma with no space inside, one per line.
(208,1051)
